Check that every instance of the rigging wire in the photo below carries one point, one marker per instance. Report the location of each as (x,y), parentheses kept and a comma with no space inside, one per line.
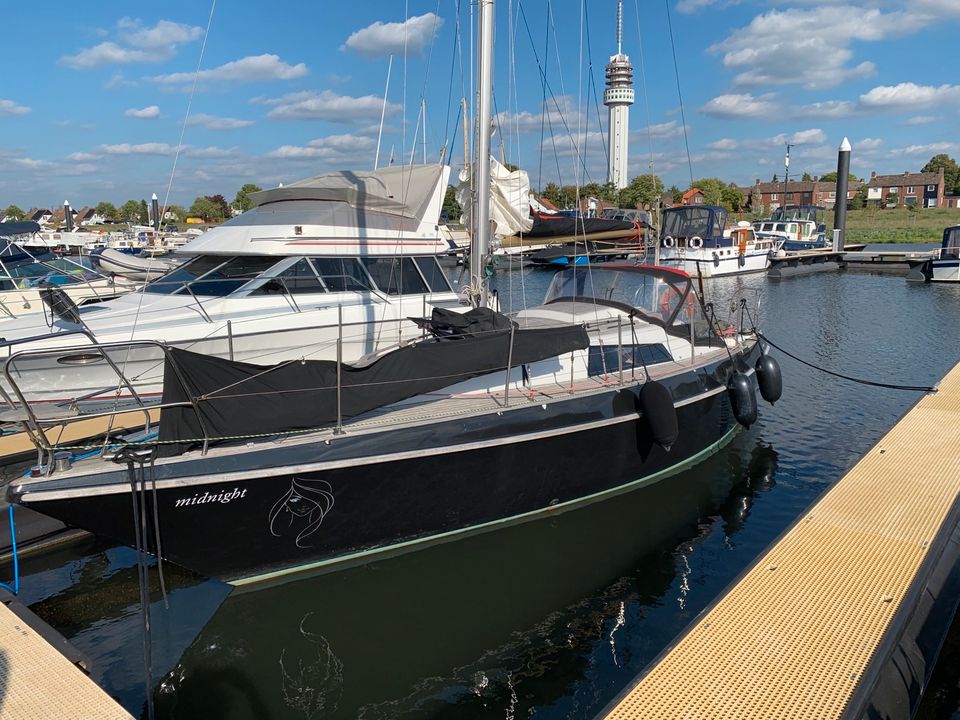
(676,72)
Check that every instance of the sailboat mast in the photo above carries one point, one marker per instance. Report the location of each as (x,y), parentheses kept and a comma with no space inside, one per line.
(480,248)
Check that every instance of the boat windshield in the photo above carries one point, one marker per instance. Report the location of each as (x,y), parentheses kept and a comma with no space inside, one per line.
(655,294)
(29,271)
(693,221)
(219,276)
(951,243)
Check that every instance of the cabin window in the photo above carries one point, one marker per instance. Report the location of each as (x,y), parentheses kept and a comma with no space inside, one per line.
(433,274)
(342,274)
(395,276)
(212,275)
(604,361)
(297,279)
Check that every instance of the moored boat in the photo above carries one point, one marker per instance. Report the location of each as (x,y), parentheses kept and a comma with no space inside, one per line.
(945,267)
(135,267)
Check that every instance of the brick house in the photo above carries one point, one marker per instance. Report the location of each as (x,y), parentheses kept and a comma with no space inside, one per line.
(921,189)
(951,200)
(693,196)
(797,192)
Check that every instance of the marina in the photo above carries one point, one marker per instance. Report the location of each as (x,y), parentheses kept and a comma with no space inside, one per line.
(406,432)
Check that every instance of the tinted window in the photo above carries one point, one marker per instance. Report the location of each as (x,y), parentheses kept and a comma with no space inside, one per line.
(432,271)
(395,276)
(212,275)
(603,361)
(341,274)
(297,279)
(188,272)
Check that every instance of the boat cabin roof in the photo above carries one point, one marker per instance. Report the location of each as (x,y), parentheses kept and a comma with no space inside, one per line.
(704,221)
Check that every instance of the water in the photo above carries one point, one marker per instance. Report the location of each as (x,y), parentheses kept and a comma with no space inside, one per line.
(549,619)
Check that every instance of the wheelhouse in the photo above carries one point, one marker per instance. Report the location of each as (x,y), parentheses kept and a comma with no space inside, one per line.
(694,226)
(950,249)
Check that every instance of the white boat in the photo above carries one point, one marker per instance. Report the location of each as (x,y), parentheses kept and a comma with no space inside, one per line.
(798,228)
(134,267)
(23,274)
(694,238)
(945,267)
(332,264)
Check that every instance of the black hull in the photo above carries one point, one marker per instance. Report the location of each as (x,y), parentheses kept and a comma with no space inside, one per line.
(291,508)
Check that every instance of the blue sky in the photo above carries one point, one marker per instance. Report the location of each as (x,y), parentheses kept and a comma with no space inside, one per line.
(93,95)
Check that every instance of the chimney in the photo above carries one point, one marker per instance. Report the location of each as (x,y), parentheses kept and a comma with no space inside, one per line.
(873,174)
(816,178)
(906,172)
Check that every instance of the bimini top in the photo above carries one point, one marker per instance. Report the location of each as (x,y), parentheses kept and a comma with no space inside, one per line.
(401,190)
(26,227)
(350,212)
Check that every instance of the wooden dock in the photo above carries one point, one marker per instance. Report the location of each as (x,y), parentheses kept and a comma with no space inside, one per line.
(844,615)
(37,681)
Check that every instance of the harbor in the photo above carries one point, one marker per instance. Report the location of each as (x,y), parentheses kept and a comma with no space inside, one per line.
(423,425)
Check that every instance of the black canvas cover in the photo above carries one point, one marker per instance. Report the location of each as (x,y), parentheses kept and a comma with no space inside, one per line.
(546,226)
(21,227)
(235,399)
(452,324)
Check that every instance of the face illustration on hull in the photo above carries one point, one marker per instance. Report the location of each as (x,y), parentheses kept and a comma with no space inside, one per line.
(301,509)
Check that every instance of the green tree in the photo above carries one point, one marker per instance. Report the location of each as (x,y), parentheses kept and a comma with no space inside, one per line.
(551,192)
(806,178)
(712,189)
(832,177)
(860,199)
(450,205)
(775,178)
(673,195)
(242,202)
(221,203)
(892,199)
(130,211)
(951,171)
(731,198)
(643,190)
(106,210)
(143,214)
(14,213)
(203,208)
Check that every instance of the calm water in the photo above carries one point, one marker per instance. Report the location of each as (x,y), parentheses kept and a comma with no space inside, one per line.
(549,619)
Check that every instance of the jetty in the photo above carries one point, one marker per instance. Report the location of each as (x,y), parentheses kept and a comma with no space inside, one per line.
(845,614)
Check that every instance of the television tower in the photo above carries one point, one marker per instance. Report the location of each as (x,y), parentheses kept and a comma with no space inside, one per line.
(618,97)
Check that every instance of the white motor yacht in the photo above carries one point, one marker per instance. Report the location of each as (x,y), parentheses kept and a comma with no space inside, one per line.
(333,266)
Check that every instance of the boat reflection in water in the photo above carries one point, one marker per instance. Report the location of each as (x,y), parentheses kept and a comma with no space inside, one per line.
(501,622)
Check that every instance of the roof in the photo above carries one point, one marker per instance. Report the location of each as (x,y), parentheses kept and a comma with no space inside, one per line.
(796,186)
(691,192)
(923,178)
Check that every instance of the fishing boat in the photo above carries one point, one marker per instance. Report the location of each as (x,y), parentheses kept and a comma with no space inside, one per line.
(24,275)
(695,238)
(945,267)
(261,470)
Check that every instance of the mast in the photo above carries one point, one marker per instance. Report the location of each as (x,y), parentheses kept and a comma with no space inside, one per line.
(480,248)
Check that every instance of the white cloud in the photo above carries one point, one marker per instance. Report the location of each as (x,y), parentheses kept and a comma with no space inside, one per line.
(812,136)
(925,150)
(868,144)
(743,105)
(921,120)
(693,6)
(253,68)
(211,152)
(82,156)
(908,95)
(151,148)
(826,109)
(326,105)
(382,39)
(723,144)
(213,122)
(332,147)
(9,107)
(135,43)
(151,112)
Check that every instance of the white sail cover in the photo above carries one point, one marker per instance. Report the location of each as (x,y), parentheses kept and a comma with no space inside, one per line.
(509,199)
(401,190)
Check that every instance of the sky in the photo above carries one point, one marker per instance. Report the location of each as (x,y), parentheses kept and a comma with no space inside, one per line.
(96,98)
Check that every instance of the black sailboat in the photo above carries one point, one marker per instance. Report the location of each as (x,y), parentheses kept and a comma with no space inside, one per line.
(617,380)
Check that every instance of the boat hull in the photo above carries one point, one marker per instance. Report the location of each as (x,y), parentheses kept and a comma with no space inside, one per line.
(708,262)
(285,508)
(945,270)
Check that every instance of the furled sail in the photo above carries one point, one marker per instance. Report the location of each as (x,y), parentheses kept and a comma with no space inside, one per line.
(509,199)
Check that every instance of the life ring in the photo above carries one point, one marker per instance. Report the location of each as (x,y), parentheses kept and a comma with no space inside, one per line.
(696,242)
(668,241)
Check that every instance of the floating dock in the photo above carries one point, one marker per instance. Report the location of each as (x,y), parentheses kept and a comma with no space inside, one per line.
(38,681)
(844,616)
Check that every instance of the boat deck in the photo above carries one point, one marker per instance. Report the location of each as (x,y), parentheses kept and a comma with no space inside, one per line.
(804,629)
(36,681)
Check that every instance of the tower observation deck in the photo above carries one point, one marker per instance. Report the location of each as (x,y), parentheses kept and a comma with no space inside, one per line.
(618,97)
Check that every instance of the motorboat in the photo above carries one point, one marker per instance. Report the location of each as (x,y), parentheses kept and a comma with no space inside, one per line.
(23,274)
(258,471)
(695,238)
(135,267)
(945,266)
(797,227)
(328,267)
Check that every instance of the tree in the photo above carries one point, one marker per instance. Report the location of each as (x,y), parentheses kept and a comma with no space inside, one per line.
(832,177)
(241,201)
(643,190)
(106,210)
(775,178)
(223,210)
(731,198)
(177,212)
(203,208)
(806,178)
(551,192)
(951,171)
(14,213)
(130,211)
(892,199)
(450,205)
(673,195)
(712,189)
(860,199)
(143,215)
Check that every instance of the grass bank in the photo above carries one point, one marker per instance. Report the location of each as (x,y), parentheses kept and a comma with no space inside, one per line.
(898,225)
